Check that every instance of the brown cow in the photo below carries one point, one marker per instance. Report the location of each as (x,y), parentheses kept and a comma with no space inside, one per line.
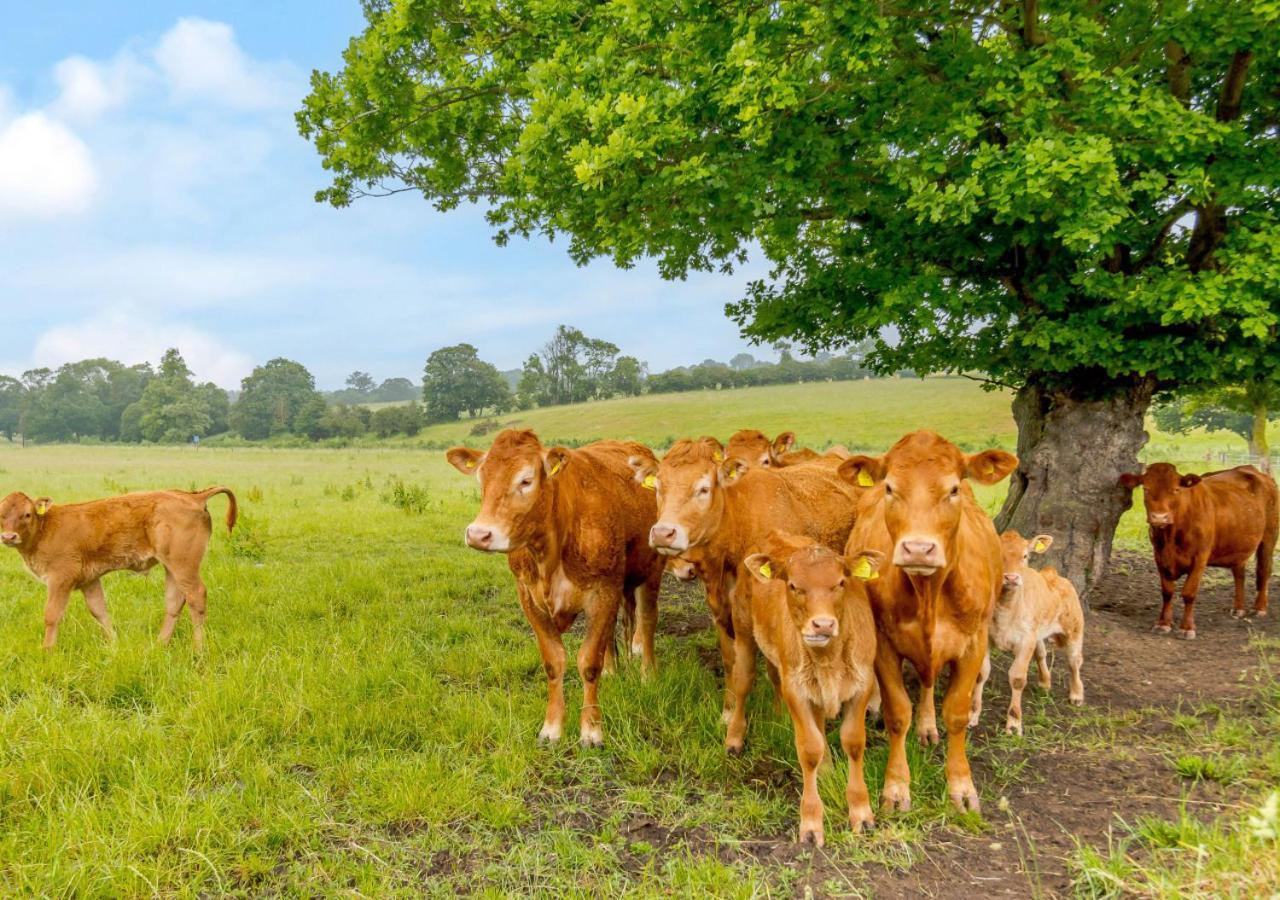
(938,585)
(722,509)
(1220,519)
(70,546)
(574,525)
(812,619)
(1033,607)
(755,449)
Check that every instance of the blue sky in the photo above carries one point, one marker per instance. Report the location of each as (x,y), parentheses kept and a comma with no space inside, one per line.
(154,192)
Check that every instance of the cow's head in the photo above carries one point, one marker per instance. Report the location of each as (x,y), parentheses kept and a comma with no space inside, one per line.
(513,474)
(816,580)
(21,518)
(690,483)
(1015,553)
(684,568)
(921,483)
(755,449)
(1163,492)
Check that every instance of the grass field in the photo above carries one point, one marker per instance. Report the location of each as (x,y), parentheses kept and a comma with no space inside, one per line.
(362,723)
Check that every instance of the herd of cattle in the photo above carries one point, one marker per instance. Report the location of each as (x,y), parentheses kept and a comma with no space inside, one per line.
(836,567)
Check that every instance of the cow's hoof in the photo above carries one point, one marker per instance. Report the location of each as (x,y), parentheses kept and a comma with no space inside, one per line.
(896,798)
(964,796)
(974,718)
(1161,629)
(929,736)
(1260,613)
(1238,614)
(1013,728)
(549,735)
(862,820)
(1076,701)
(812,835)
(1187,634)
(733,748)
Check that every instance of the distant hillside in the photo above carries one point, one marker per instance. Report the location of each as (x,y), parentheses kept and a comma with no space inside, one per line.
(868,414)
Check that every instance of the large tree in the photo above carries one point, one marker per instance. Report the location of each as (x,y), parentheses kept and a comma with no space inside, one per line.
(1241,409)
(1075,198)
(271,397)
(456,380)
(173,407)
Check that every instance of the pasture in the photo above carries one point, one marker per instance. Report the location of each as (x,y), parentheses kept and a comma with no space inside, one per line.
(363,721)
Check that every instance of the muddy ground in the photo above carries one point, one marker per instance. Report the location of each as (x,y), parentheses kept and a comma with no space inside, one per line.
(1071,794)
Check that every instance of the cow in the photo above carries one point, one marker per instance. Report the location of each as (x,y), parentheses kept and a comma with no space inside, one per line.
(574,525)
(1220,519)
(721,508)
(755,449)
(812,620)
(70,546)
(1034,607)
(938,584)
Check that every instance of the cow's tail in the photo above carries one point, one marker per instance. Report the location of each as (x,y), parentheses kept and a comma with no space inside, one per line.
(232,509)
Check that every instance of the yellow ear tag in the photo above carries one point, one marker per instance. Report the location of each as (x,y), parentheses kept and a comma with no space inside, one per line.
(988,469)
(42,509)
(865,480)
(717,456)
(1038,547)
(556,467)
(862,569)
(766,570)
(471,464)
(650,482)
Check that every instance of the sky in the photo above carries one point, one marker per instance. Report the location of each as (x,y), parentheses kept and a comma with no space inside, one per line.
(154,192)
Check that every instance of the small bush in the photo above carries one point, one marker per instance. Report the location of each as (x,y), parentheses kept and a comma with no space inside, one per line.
(413,499)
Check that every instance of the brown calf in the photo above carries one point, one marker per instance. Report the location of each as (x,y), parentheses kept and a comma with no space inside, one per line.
(812,619)
(1033,607)
(755,449)
(574,525)
(1220,519)
(70,546)
(722,509)
(938,585)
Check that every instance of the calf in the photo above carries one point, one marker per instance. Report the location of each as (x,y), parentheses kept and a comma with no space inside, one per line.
(812,619)
(1220,519)
(755,449)
(1033,607)
(70,546)
(721,509)
(938,585)
(574,525)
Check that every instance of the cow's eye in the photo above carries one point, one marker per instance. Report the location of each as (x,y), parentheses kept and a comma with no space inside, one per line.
(955,491)
(703,491)
(526,481)
(888,490)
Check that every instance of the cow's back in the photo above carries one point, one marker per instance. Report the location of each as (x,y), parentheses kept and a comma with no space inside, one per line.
(808,500)
(1242,505)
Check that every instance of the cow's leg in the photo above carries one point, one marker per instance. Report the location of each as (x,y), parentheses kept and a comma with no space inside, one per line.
(955,713)
(55,607)
(96,599)
(1190,590)
(1075,659)
(873,701)
(646,626)
(1237,602)
(811,747)
(727,653)
(775,679)
(174,600)
(896,706)
(1017,681)
(975,708)
(551,648)
(1042,664)
(1168,586)
(926,717)
(1263,563)
(853,737)
(601,624)
(744,675)
(196,595)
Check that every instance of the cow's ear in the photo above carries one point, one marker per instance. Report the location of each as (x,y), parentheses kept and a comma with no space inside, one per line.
(862,471)
(732,470)
(554,461)
(1041,542)
(783,443)
(989,466)
(646,471)
(761,566)
(714,445)
(864,565)
(1131,480)
(1189,480)
(465,460)
(43,505)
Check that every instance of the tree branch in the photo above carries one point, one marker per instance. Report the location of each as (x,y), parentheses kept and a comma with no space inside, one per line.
(1179,72)
(1233,86)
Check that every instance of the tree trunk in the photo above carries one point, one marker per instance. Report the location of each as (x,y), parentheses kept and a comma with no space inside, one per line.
(1259,450)
(1071,453)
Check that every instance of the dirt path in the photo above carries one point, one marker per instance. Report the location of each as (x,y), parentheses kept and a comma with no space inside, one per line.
(1077,790)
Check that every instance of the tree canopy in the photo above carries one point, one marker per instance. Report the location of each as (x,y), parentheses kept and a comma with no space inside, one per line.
(455,380)
(271,398)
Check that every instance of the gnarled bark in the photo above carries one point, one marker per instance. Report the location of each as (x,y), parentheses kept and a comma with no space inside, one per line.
(1071,453)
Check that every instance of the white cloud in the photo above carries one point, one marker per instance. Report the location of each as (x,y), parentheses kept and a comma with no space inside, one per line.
(46,170)
(201,60)
(126,335)
(87,88)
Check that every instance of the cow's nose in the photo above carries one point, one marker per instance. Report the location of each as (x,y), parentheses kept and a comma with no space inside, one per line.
(662,535)
(921,550)
(1012,579)
(478,537)
(825,625)
(9,537)
(1159,518)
